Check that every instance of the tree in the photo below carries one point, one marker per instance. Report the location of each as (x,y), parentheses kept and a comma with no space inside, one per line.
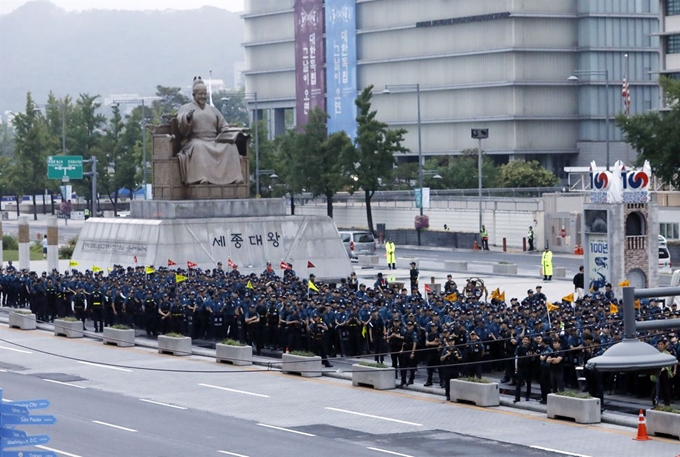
(109,176)
(460,172)
(86,134)
(371,158)
(656,134)
(286,165)
(527,174)
(319,158)
(171,99)
(28,172)
(127,158)
(233,107)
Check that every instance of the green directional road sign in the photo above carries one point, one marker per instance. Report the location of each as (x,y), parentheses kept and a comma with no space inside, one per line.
(60,167)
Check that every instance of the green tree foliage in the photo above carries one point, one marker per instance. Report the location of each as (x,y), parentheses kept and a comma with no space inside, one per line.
(370,159)
(27,173)
(233,107)
(284,162)
(171,99)
(527,174)
(460,172)
(85,132)
(6,140)
(657,134)
(319,158)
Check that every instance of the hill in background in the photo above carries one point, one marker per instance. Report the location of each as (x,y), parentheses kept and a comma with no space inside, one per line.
(43,48)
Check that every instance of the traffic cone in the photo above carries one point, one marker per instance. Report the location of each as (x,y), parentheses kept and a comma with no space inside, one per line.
(642,429)
(475,246)
(576,250)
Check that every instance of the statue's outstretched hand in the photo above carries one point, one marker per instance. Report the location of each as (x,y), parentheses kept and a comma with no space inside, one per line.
(190,115)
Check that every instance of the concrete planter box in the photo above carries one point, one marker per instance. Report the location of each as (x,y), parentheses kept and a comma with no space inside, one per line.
(481,394)
(174,345)
(22,321)
(505,268)
(455,265)
(236,355)
(660,422)
(378,378)
(69,329)
(119,337)
(582,410)
(368,260)
(307,367)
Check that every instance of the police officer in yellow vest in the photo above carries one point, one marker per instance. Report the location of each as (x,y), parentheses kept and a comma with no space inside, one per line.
(546,264)
(391,257)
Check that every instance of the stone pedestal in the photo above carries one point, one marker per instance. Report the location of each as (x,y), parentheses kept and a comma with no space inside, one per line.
(69,329)
(307,367)
(378,378)
(582,410)
(479,393)
(23,321)
(123,338)
(236,355)
(180,346)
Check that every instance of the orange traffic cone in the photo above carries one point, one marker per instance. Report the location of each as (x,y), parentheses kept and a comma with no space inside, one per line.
(576,250)
(475,246)
(642,429)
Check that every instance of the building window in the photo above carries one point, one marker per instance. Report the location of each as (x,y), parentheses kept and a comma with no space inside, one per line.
(673,75)
(672,7)
(670,231)
(673,44)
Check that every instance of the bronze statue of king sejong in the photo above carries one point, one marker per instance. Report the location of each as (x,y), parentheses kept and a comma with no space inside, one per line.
(208,154)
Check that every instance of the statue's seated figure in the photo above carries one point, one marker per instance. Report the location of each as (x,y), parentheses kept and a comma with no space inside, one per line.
(206,147)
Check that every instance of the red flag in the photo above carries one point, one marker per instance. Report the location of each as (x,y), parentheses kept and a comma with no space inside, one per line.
(134,259)
(284,265)
(171,263)
(231,264)
(310,264)
(190,264)
(428,289)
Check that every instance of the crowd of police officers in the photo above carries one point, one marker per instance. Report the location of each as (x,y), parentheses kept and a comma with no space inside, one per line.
(457,332)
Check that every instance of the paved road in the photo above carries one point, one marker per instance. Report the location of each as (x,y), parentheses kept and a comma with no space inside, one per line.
(226,405)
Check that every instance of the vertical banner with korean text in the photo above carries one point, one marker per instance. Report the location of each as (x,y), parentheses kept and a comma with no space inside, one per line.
(341,62)
(310,82)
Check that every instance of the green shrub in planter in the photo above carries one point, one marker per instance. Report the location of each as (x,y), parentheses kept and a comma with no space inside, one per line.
(230,342)
(303,353)
(476,379)
(174,335)
(9,243)
(69,319)
(22,311)
(121,327)
(373,365)
(666,409)
(567,393)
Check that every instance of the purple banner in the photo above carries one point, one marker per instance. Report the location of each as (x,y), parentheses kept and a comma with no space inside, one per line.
(310,81)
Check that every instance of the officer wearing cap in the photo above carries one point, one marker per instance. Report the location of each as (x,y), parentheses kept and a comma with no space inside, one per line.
(413,276)
(539,296)
(408,354)
(395,342)
(164,315)
(449,358)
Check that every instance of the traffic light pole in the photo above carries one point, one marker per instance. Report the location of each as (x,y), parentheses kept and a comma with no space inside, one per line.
(93,174)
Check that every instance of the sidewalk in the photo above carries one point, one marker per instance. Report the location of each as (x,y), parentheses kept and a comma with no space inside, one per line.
(343,368)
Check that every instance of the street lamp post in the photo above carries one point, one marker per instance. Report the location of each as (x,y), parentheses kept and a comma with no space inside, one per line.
(407,87)
(575,78)
(479,135)
(138,101)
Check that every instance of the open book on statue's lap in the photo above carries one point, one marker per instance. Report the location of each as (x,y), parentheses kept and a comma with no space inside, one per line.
(226,137)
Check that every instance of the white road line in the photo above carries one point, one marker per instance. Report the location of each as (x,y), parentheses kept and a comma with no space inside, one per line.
(64,383)
(105,366)
(67,454)
(374,417)
(234,390)
(232,453)
(541,448)
(7,400)
(285,429)
(15,350)
(162,404)
(3,371)
(115,426)
(388,452)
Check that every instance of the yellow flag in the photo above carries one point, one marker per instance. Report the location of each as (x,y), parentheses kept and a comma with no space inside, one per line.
(311,285)
(495,293)
(569,298)
(149,270)
(250,286)
(364,332)
(109,269)
(73,263)
(551,307)
(452,297)
(637,304)
(501,297)
(180,278)
(624,283)
(613,308)
(96,269)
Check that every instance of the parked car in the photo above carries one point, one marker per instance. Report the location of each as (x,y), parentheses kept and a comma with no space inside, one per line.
(358,243)
(665,264)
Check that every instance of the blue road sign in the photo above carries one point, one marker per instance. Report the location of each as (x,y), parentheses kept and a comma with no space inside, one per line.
(29,454)
(31,404)
(27,441)
(8,408)
(11,433)
(28,420)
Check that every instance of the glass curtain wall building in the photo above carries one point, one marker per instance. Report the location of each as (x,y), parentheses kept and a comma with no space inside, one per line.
(497,64)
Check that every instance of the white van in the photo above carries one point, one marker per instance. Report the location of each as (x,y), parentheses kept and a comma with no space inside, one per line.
(665,264)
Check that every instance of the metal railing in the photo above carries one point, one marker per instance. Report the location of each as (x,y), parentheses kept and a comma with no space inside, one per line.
(637,242)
